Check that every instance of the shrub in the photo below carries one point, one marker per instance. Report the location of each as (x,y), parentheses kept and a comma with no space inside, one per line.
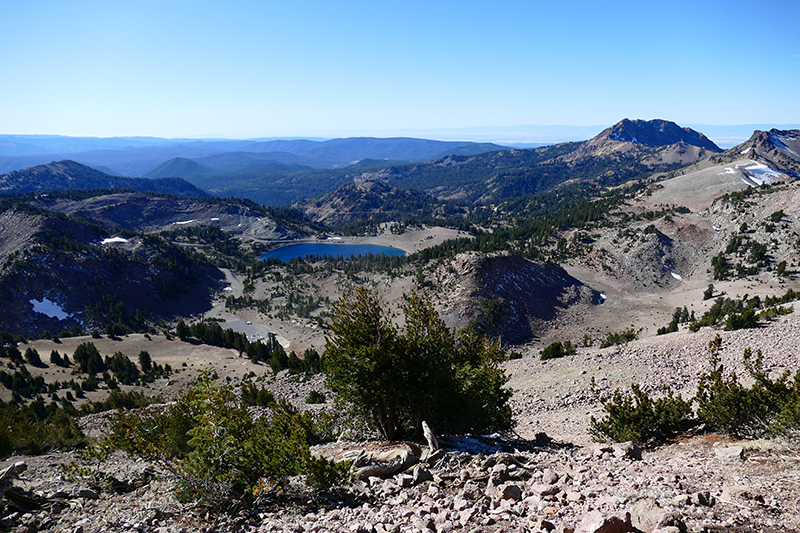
(619,337)
(766,407)
(709,292)
(118,399)
(398,379)
(557,349)
(315,397)
(37,428)
(252,395)
(33,357)
(637,417)
(88,359)
(223,457)
(55,358)
(746,320)
(124,369)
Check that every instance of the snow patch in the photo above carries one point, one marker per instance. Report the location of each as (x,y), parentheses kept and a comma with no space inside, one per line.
(184,222)
(111,240)
(761,173)
(676,276)
(746,150)
(46,307)
(215,219)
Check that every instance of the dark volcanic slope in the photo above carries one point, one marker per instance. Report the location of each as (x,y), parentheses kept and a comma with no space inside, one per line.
(71,176)
(513,297)
(65,261)
(148,213)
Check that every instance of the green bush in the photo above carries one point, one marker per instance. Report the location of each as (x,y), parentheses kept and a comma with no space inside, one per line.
(619,337)
(252,395)
(709,292)
(767,407)
(638,418)
(396,379)
(33,357)
(557,349)
(118,399)
(224,457)
(37,428)
(315,397)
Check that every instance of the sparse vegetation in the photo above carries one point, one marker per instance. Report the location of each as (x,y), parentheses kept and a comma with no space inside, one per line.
(37,428)
(768,407)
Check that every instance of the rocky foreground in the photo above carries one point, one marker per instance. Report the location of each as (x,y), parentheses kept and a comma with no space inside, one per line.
(702,484)
(560,483)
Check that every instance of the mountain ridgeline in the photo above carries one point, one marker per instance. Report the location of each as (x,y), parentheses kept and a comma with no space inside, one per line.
(655,133)
(71,176)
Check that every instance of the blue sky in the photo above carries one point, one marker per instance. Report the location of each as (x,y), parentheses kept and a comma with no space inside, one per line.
(342,68)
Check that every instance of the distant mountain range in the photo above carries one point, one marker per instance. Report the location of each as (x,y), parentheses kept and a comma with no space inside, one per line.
(283,172)
(136,156)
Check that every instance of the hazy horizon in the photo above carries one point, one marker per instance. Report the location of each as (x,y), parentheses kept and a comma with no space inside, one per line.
(520,135)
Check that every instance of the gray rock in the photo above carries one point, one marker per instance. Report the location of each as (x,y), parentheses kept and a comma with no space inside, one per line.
(545,490)
(500,473)
(646,514)
(574,496)
(671,520)
(627,449)
(682,500)
(597,522)
(549,477)
(434,457)
(421,474)
(88,494)
(545,525)
(703,498)
(404,480)
(729,453)
(510,491)
(598,450)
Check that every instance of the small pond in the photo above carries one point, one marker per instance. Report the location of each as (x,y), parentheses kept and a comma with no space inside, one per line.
(289,252)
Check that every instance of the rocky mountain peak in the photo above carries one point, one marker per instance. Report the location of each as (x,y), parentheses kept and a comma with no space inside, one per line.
(779,149)
(656,133)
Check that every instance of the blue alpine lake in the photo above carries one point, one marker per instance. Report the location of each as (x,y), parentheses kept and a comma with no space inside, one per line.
(289,252)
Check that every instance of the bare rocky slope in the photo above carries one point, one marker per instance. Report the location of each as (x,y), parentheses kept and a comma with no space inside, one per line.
(780,149)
